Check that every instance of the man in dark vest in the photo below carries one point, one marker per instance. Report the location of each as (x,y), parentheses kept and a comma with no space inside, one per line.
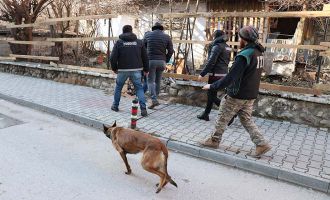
(128,60)
(242,83)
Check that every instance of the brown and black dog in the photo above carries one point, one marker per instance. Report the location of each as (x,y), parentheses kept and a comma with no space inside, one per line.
(155,153)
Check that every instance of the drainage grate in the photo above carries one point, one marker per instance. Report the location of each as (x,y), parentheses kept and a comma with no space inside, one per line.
(6,121)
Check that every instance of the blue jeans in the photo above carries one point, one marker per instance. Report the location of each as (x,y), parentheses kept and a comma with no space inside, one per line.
(145,83)
(135,77)
(156,68)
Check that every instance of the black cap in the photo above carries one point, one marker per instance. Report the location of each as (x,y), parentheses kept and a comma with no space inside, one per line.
(127,29)
(218,33)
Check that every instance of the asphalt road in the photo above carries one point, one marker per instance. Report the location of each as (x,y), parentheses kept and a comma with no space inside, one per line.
(45,157)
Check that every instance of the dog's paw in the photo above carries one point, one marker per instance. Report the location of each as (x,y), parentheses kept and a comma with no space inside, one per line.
(128,172)
(158,190)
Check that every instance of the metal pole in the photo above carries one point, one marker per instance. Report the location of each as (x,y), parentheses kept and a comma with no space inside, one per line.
(320,61)
(108,51)
(320,58)
(135,105)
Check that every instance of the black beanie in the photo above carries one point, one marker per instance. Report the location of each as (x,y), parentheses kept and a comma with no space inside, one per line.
(249,33)
(127,29)
(218,33)
(157,26)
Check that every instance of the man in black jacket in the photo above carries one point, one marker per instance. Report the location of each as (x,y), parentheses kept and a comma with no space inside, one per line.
(128,59)
(242,83)
(216,68)
(160,50)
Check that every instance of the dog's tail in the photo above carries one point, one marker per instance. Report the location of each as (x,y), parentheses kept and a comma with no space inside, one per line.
(165,152)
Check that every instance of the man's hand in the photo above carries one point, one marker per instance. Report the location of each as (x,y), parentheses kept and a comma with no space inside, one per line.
(200,78)
(206,87)
(115,71)
(146,73)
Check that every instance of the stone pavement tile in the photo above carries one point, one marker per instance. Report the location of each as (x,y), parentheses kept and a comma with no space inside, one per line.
(290,158)
(326,163)
(297,142)
(326,170)
(301,165)
(313,171)
(288,165)
(317,151)
(280,152)
(278,138)
(277,159)
(283,147)
(293,152)
(307,147)
(298,169)
(299,138)
(286,142)
(303,158)
(315,164)
(317,158)
(305,152)
(308,142)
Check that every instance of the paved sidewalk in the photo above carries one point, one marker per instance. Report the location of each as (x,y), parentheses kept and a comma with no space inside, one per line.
(300,154)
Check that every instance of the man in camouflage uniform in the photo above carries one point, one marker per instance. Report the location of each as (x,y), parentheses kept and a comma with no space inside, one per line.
(242,83)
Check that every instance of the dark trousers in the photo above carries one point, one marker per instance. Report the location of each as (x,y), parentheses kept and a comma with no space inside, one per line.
(212,97)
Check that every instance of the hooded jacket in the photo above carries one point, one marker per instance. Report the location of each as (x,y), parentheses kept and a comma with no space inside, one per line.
(218,58)
(129,54)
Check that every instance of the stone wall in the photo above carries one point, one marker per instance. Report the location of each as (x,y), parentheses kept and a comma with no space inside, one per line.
(301,109)
(64,75)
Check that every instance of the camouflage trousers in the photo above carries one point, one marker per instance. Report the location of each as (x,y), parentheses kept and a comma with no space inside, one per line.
(229,107)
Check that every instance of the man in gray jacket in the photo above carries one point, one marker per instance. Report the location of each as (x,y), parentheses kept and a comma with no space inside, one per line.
(160,50)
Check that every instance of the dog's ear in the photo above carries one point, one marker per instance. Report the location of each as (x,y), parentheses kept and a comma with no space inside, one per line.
(114,124)
(105,128)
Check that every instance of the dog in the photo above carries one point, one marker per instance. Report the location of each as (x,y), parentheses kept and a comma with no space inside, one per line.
(155,153)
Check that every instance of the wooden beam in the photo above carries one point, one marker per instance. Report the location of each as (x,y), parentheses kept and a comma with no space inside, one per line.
(7,58)
(293,46)
(90,69)
(292,14)
(266,86)
(326,44)
(39,43)
(325,53)
(54,20)
(81,39)
(35,57)
(185,77)
(322,87)
(301,90)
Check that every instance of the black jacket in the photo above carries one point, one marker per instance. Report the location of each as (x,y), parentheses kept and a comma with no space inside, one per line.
(129,54)
(159,45)
(243,79)
(218,58)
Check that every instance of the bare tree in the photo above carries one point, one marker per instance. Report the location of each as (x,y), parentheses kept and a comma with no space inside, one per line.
(60,9)
(18,12)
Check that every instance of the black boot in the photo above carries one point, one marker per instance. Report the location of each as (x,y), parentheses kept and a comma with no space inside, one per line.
(203,116)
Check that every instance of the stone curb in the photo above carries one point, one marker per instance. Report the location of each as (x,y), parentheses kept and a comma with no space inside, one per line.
(204,153)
